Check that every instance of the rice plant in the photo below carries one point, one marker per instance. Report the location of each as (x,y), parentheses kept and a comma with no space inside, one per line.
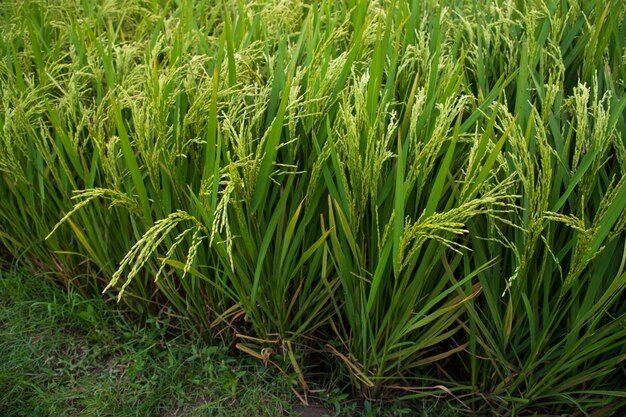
(428,194)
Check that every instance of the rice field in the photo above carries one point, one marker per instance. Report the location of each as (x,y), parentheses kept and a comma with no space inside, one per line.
(426,197)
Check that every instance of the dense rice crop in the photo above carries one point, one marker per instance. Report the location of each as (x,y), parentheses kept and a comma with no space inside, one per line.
(429,194)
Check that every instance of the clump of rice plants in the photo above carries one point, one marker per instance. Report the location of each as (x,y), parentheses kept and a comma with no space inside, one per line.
(428,194)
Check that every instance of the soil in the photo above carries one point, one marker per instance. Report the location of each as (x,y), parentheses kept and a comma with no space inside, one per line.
(313,410)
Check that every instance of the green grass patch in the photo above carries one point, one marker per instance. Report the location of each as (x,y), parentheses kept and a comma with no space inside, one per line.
(64,355)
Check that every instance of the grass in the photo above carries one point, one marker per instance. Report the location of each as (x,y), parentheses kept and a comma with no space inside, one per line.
(64,355)
(421,198)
